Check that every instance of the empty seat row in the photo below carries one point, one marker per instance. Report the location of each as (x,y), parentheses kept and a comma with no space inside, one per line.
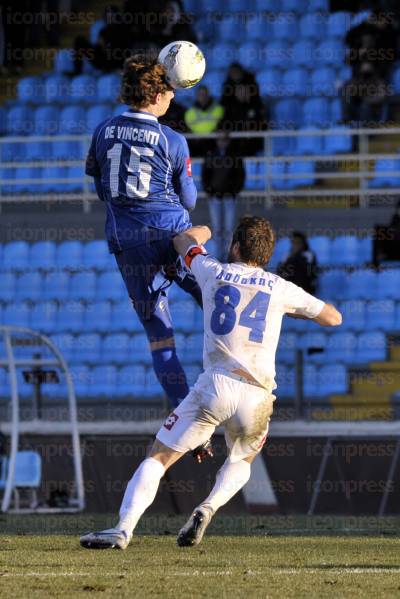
(279,175)
(362,283)
(344,347)
(51,179)
(318,382)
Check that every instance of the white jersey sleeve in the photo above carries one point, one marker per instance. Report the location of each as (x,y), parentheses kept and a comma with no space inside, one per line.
(203,267)
(297,301)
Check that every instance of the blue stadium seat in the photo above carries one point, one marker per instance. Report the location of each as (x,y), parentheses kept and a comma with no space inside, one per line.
(365,250)
(330,53)
(312,26)
(139,349)
(64,342)
(362,284)
(321,245)
(316,112)
(56,89)
(297,6)
(7,287)
(95,115)
(270,82)
(95,29)
(314,340)
(295,82)
(69,255)
(303,53)
(68,150)
(17,314)
(72,120)
(30,90)
(51,180)
(86,349)
(70,317)
(43,255)
(64,61)
(250,55)
(383,168)
(333,282)
(3,120)
(46,120)
(16,255)
(19,121)
(8,176)
(194,348)
(284,27)
(43,317)
(192,371)
(56,286)
(76,180)
(338,24)
(213,80)
(83,286)
(341,347)
(83,89)
(258,27)
(332,378)
(336,110)
(28,470)
(323,82)
(110,286)
(308,144)
(337,142)
(318,5)
(345,250)
(131,380)
(287,348)
(229,31)
(285,380)
(95,255)
(371,346)
(221,55)
(253,175)
(287,114)
(304,172)
(27,179)
(152,388)
(267,6)
(281,250)
(276,53)
(389,284)
(183,315)
(310,382)
(354,315)
(206,30)
(97,317)
(108,88)
(395,80)
(381,314)
(124,317)
(115,349)
(29,287)
(103,381)
(81,378)
(283,146)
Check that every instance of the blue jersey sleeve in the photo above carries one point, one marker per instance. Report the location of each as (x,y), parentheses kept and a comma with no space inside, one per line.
(92,167)
(182,178)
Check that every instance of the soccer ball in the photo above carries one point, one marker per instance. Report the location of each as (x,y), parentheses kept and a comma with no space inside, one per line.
(184,62)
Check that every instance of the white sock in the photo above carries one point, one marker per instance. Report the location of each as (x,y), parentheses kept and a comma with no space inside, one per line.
(140,493)
(231,477)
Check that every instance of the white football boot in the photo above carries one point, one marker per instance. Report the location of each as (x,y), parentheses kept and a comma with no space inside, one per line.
(112,538)
(192,532)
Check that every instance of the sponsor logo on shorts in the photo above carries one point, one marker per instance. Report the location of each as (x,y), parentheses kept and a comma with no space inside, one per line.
(170,421)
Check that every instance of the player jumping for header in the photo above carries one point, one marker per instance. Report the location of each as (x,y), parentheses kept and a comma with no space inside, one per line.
(243,310)
(142,171)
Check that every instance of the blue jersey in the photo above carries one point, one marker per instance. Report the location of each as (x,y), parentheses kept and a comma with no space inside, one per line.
(142,171)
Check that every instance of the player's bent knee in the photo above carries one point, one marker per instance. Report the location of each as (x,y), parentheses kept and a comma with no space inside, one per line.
(164,454)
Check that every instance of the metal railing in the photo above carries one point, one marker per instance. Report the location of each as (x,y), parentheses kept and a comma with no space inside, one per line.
(333,175)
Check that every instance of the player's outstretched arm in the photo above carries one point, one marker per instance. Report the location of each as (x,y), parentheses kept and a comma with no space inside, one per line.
(194,236)
(329,316)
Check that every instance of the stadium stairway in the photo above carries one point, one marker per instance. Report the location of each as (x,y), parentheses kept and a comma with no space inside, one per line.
(374,391)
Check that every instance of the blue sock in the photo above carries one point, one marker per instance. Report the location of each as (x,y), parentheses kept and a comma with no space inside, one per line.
(170,374)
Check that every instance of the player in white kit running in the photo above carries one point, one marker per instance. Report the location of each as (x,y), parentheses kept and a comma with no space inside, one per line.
(243,310)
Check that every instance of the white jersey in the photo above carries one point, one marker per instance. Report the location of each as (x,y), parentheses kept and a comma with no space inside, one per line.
(243,308)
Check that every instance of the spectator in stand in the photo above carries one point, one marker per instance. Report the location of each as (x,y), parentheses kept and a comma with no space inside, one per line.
(364,98)
(223,179)
(300,266)
(202,118)
(175,117)
(175,24)
(244,109)
(387,239)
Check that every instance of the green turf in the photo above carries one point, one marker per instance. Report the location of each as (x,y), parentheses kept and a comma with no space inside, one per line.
(327,557)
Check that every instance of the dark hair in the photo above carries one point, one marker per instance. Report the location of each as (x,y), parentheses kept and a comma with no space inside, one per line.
(256,239)
(142,79)
(299,235)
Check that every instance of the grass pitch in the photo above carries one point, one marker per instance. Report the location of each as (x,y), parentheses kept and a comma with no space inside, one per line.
(277,557)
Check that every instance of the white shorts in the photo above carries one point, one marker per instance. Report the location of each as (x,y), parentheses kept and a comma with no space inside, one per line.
(220,398)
